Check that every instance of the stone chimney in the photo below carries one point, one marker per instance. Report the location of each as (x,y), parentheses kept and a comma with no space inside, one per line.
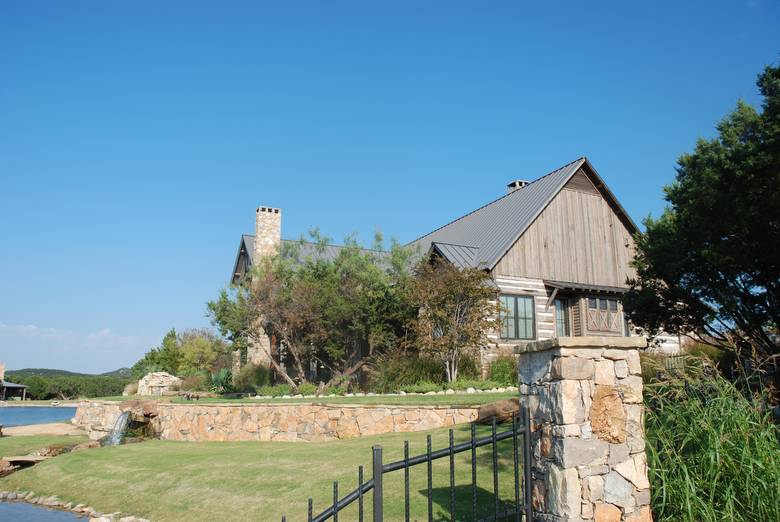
(268,232)
(2,371)
(516,184)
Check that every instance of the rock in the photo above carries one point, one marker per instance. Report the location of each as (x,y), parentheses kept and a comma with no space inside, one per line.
(642,515)
(157,383)
(538,496)
(606,513)
(401,392)
(635,470)
(605,373)
(593,488)
(631,388)
(633,362)
(621,369)
(608,418)
(567,404)
(449,391)
(617,453)
(563,491)
(642,498)
(502,410)
(572,368)
(618,490)
(470,390)
(573,451)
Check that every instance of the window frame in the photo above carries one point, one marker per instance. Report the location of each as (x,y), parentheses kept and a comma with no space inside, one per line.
(516,317)
(565,304)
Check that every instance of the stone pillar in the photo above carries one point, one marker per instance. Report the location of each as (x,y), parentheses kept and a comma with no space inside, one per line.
(2,371)
(584,396)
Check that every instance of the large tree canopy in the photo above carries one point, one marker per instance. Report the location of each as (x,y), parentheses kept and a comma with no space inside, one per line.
(710,265)
(335,312)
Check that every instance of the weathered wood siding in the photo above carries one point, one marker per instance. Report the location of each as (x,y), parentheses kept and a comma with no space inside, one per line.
(545,319)
(577,238)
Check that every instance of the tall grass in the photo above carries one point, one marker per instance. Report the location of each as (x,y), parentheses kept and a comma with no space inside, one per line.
(713,453)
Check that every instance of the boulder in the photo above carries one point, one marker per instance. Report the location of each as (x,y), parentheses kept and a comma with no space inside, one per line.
(158,383)
(501,410)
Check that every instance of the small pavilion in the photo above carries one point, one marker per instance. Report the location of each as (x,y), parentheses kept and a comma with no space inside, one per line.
(9,390)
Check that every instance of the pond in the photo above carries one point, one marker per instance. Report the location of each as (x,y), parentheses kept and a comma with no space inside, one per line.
(24,415)
(23,512)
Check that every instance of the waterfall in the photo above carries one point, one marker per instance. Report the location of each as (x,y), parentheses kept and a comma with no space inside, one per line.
(114,438)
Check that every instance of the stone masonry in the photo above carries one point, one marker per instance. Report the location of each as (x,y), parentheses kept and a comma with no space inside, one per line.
(269,422)
(584,396)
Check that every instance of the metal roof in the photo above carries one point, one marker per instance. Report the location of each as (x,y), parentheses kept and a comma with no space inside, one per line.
(481,238)
(6,384)
(566,285)
(306,250)
(493,228)
(459,255)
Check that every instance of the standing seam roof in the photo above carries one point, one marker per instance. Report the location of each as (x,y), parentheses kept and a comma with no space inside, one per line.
(492,229)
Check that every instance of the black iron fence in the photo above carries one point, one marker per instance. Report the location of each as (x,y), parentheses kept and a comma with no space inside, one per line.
(518,509)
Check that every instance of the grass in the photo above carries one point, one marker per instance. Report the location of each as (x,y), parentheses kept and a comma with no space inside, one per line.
(23,445)
(169,481)
(713,454)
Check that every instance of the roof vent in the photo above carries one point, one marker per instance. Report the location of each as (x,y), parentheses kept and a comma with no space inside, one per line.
(516,184)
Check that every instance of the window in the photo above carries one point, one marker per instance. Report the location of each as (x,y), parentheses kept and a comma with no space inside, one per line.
(517,317)
(562,318)
(603,315)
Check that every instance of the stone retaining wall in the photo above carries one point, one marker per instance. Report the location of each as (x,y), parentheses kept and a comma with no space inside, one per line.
(584,396)
(272,422)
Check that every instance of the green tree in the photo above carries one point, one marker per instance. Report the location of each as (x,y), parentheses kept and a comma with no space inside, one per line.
(457,310)
(199,352)
(710,265)
(332,311)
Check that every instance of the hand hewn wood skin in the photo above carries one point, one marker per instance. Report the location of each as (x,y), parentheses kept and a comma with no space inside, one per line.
(577,238)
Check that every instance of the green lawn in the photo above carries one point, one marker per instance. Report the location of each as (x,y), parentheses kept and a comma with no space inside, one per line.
(19,445)
(164,481)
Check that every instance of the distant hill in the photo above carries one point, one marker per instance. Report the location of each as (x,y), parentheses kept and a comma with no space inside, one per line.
(123,373)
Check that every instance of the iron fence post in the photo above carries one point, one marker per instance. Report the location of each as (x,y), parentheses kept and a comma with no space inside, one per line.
(377,473)
(527,463)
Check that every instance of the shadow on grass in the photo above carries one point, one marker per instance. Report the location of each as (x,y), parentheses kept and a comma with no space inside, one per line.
(464,509)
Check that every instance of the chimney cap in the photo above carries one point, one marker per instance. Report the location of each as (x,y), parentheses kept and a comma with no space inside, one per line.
(516,184)
(270,210)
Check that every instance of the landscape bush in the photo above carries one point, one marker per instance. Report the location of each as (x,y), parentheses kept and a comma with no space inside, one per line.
(503,370)
(307,388)
(194,383)
(276,390)
(392,371)
(252,377)
(422,387)
(713,452)
(221,381)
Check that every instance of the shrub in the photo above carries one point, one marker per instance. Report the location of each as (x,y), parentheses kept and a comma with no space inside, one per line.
(194,383)
(713,453)
(336,390)
(469,368)
(393,370)
(307,389)
(130,389)
(251,377)
(275,391)
(504,370)
(421,387)
(221,381)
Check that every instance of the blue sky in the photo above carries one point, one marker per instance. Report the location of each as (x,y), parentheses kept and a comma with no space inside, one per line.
(136,139)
